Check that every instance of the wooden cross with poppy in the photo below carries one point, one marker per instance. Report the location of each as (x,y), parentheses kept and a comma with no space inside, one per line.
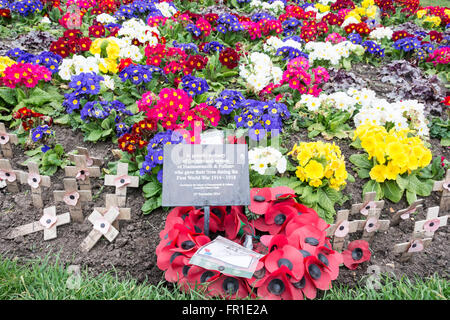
(36,182)
(102,226)
(5,141)
(444,186)
(121,181)
(367,204)
(48,222)
(90,161)
(341,229)
(432,222)
(82,172)
(403,214)
(407,249)
(112,201)
(374,224)
(73,198)
(9,175)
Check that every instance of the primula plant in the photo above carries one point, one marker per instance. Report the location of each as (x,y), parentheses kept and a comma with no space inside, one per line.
(320,176)
(35,133)
(396,162)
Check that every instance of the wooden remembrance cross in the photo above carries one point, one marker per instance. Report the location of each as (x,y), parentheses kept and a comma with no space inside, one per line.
(9,175)
(341,228)
(111,201)
(367,204)
(82,172)
(5,141)
(102,227)
(73,198)
(121,181)
(48,222)
(36,182)
(404,213)
(90,161)
(444,186)
(432,222)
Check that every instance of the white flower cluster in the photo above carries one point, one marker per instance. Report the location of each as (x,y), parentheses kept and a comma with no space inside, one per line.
(266,160)
(274,43)
(403,114)
(137,29)
(166,9)
(275,7)
(332,52)
(105,18)
(78,64)
(349,21)
(339,100)
(258,71)
(380,33)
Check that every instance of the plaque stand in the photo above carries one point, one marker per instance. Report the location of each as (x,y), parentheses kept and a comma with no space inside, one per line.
(206,217)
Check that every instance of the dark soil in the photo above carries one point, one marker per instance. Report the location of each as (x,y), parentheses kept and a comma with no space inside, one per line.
(133,251)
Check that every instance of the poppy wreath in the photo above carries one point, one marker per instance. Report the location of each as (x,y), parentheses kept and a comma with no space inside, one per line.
(297,256)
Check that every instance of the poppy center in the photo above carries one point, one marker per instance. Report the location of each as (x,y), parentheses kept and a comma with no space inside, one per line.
(312,241)
(341,228)
(357,254)
(82,172)
(301,284)
(431,224)
(206,276)
(217,212)
(186,270)
(174,256)
(72,197)
(230,285)
(314,271)
(323,259)
(305,253)
(102,225)
(259,198)
(285,262)
(2,137)
(48,221)
(7,174)
(122,180)
(279,219)
(276,287)
(370,225)
(188,244)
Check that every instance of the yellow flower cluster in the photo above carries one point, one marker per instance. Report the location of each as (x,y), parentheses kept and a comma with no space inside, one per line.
(322,8)
(394,151)
(367,8)
(320,163)
(112,50)
(434,20)
(4,63)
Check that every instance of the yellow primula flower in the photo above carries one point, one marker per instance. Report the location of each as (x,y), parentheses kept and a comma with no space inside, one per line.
(315,183)
(367,3)
(314,170)
(421,13)
(378,173)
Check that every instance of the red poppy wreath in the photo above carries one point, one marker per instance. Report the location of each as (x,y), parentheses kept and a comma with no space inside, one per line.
(297,256)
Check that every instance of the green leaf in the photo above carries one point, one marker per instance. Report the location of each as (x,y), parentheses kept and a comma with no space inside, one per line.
(363,173)
(445,142)
(372,186)
(151,204)
(392,191)
(38,97)
(361,161)
(9,95)
(410,196)
(152,188)
(94,135)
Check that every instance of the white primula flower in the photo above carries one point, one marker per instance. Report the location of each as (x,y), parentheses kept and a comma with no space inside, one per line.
(108,82)
(105,18)
(281,165)
(260,166)
(46,20)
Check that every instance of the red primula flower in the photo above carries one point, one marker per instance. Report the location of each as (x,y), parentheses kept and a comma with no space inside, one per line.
(446,101)
(229,58)
(357,252)
(97,31)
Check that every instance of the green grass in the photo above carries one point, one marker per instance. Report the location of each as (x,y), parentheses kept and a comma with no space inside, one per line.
(41,280)
(442,3)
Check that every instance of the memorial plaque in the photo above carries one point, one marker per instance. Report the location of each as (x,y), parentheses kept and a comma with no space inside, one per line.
(205,175)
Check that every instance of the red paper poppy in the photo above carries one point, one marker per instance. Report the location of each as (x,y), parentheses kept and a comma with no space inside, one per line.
(308,238)
(260,200)
(276,218)
(330,259)
(317,272)
(432,225)
(277,286)
(230,287)
(357,252)
(287,256)
(197,277)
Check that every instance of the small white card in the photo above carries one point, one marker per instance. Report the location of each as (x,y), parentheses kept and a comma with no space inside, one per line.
(227,257)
